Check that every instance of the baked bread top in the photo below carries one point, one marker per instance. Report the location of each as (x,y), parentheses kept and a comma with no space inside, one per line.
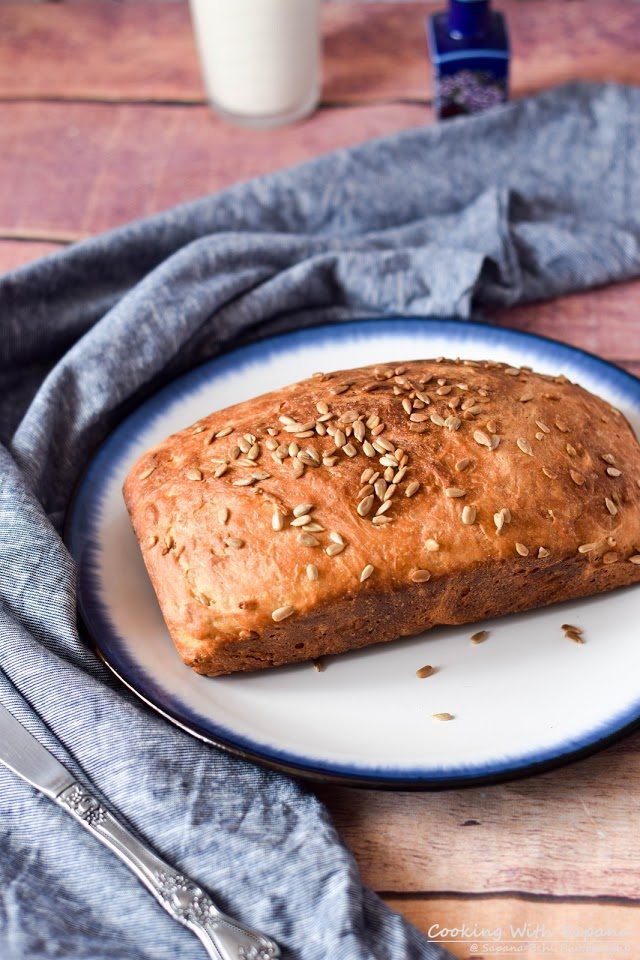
(361,482)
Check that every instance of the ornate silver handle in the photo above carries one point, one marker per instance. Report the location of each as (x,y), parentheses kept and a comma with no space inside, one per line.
(222,937)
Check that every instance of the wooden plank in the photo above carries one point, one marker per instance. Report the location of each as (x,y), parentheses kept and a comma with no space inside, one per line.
(16,253)
(98,51)
(570,832)
(81,168)
(551,42)
(373,52)
(514,926)
(605,321)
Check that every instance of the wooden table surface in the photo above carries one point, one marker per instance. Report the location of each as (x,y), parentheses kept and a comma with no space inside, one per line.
(102,119)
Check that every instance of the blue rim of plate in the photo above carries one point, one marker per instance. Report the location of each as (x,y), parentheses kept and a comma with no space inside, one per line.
(81,536)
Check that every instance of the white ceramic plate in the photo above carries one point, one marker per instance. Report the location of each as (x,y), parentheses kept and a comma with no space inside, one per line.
(525,699)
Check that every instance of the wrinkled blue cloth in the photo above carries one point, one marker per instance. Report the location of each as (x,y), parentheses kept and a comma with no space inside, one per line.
(531,200)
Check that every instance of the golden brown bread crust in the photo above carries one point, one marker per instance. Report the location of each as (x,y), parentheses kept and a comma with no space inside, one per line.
(506,489)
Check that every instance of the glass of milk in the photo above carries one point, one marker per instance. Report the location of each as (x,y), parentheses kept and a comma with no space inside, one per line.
(260,58)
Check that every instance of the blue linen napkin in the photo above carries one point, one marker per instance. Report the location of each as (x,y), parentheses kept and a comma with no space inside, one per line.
(530,200)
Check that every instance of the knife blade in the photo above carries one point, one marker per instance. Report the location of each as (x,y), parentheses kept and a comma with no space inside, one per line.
(223,937)
(23,754)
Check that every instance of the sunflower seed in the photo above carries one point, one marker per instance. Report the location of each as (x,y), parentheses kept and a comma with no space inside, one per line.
(455,492)
(301,521)
(223,515)
(431,545)
(366,573)
(587,547)
(577,478)
(365,505)
(442,716)
(308,540)
(462,465)
(522,550)
(481,438)
(297,468)
(380,487)
(608,458)
(549,473)
(614,472)
(469,515)
(312,571)
(193,474)
(423,672)
(243,482)
(420,576)
(147,472)
(349,416)
(359,430)
(281,613)
(543,426)
(610,557)
(224,432)
(611,507)
(334,549)
(277,520)
(525,446)
(479,636)
(336,537)
(561,425)
(411,488)
(234,542)
(635,558)
(453,423)
(543,553)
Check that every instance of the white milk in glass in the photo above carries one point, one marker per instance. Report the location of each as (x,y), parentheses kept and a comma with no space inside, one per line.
(260,58)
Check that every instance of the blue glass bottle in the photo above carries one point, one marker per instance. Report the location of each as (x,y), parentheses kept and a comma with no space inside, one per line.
(469,47)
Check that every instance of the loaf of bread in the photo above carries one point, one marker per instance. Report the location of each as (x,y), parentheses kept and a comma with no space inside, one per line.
(360,506)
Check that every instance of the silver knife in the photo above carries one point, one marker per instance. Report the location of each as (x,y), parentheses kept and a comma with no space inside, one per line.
(222,937)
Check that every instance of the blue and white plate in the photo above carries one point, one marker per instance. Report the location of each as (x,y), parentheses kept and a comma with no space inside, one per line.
(525,699)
